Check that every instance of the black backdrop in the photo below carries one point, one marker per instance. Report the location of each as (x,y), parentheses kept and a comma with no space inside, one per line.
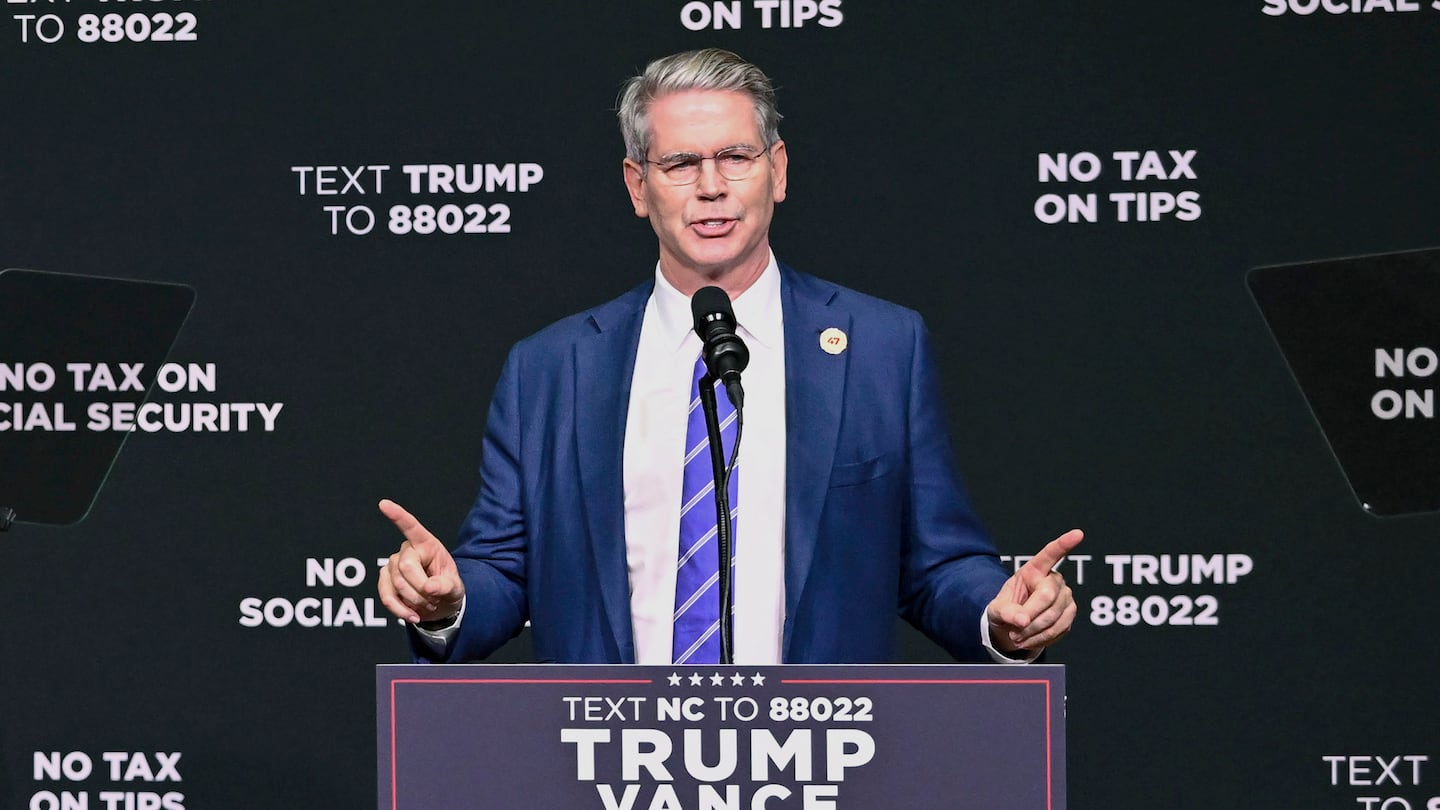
(1114,375)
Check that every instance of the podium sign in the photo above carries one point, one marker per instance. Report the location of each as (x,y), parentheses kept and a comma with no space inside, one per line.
(517,737)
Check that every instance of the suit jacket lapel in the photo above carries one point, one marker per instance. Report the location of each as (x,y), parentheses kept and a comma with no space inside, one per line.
(814,393)
(604,363)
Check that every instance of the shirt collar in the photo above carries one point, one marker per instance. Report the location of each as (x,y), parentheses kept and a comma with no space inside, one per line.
(757,310)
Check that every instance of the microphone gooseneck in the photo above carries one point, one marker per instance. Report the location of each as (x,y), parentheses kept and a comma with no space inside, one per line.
(725,357)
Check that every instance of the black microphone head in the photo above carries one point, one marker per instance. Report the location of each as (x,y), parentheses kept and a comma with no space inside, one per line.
(725,353)
(708,305)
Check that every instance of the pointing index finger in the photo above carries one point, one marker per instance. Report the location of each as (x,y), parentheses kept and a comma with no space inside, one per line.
(1055,551)
(416,533)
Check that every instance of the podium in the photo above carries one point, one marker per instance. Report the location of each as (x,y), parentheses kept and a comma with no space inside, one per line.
(867,737)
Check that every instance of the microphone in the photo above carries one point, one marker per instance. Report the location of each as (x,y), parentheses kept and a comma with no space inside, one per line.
(725,353)
(725,357)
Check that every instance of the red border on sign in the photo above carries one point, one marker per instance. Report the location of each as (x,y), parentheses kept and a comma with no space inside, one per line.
(1049,742)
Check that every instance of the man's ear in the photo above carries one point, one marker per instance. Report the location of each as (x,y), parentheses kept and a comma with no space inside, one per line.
(635,184)
(779,162)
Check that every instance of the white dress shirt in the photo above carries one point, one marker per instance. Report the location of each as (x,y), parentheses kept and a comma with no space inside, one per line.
(654,471)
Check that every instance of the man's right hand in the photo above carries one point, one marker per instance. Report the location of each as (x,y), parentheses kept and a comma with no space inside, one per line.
(420,582)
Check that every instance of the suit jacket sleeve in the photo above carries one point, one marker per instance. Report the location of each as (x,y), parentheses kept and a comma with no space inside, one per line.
(949,569)
(490,554)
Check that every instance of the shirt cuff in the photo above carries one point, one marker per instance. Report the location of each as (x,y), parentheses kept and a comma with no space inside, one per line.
(999,657)
(438,640)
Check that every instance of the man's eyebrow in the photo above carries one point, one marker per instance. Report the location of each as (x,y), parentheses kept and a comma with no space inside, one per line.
(672,157)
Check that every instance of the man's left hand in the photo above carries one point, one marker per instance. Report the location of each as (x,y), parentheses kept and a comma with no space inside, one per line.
(1035,607)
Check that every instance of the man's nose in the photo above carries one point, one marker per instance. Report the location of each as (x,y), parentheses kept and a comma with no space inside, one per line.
(710,183)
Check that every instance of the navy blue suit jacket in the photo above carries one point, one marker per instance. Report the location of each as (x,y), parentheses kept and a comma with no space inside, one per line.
(876,519)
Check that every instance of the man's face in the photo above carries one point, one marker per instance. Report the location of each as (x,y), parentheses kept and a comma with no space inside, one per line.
(714,229)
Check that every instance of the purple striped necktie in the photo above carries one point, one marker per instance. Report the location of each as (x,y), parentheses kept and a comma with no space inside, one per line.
(697,575)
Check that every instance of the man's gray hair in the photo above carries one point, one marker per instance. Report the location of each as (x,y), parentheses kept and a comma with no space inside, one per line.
(708,69)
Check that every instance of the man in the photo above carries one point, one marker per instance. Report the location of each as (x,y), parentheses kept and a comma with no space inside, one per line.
(847,505)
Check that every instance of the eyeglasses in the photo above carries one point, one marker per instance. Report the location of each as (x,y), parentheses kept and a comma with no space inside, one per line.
(732,164)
